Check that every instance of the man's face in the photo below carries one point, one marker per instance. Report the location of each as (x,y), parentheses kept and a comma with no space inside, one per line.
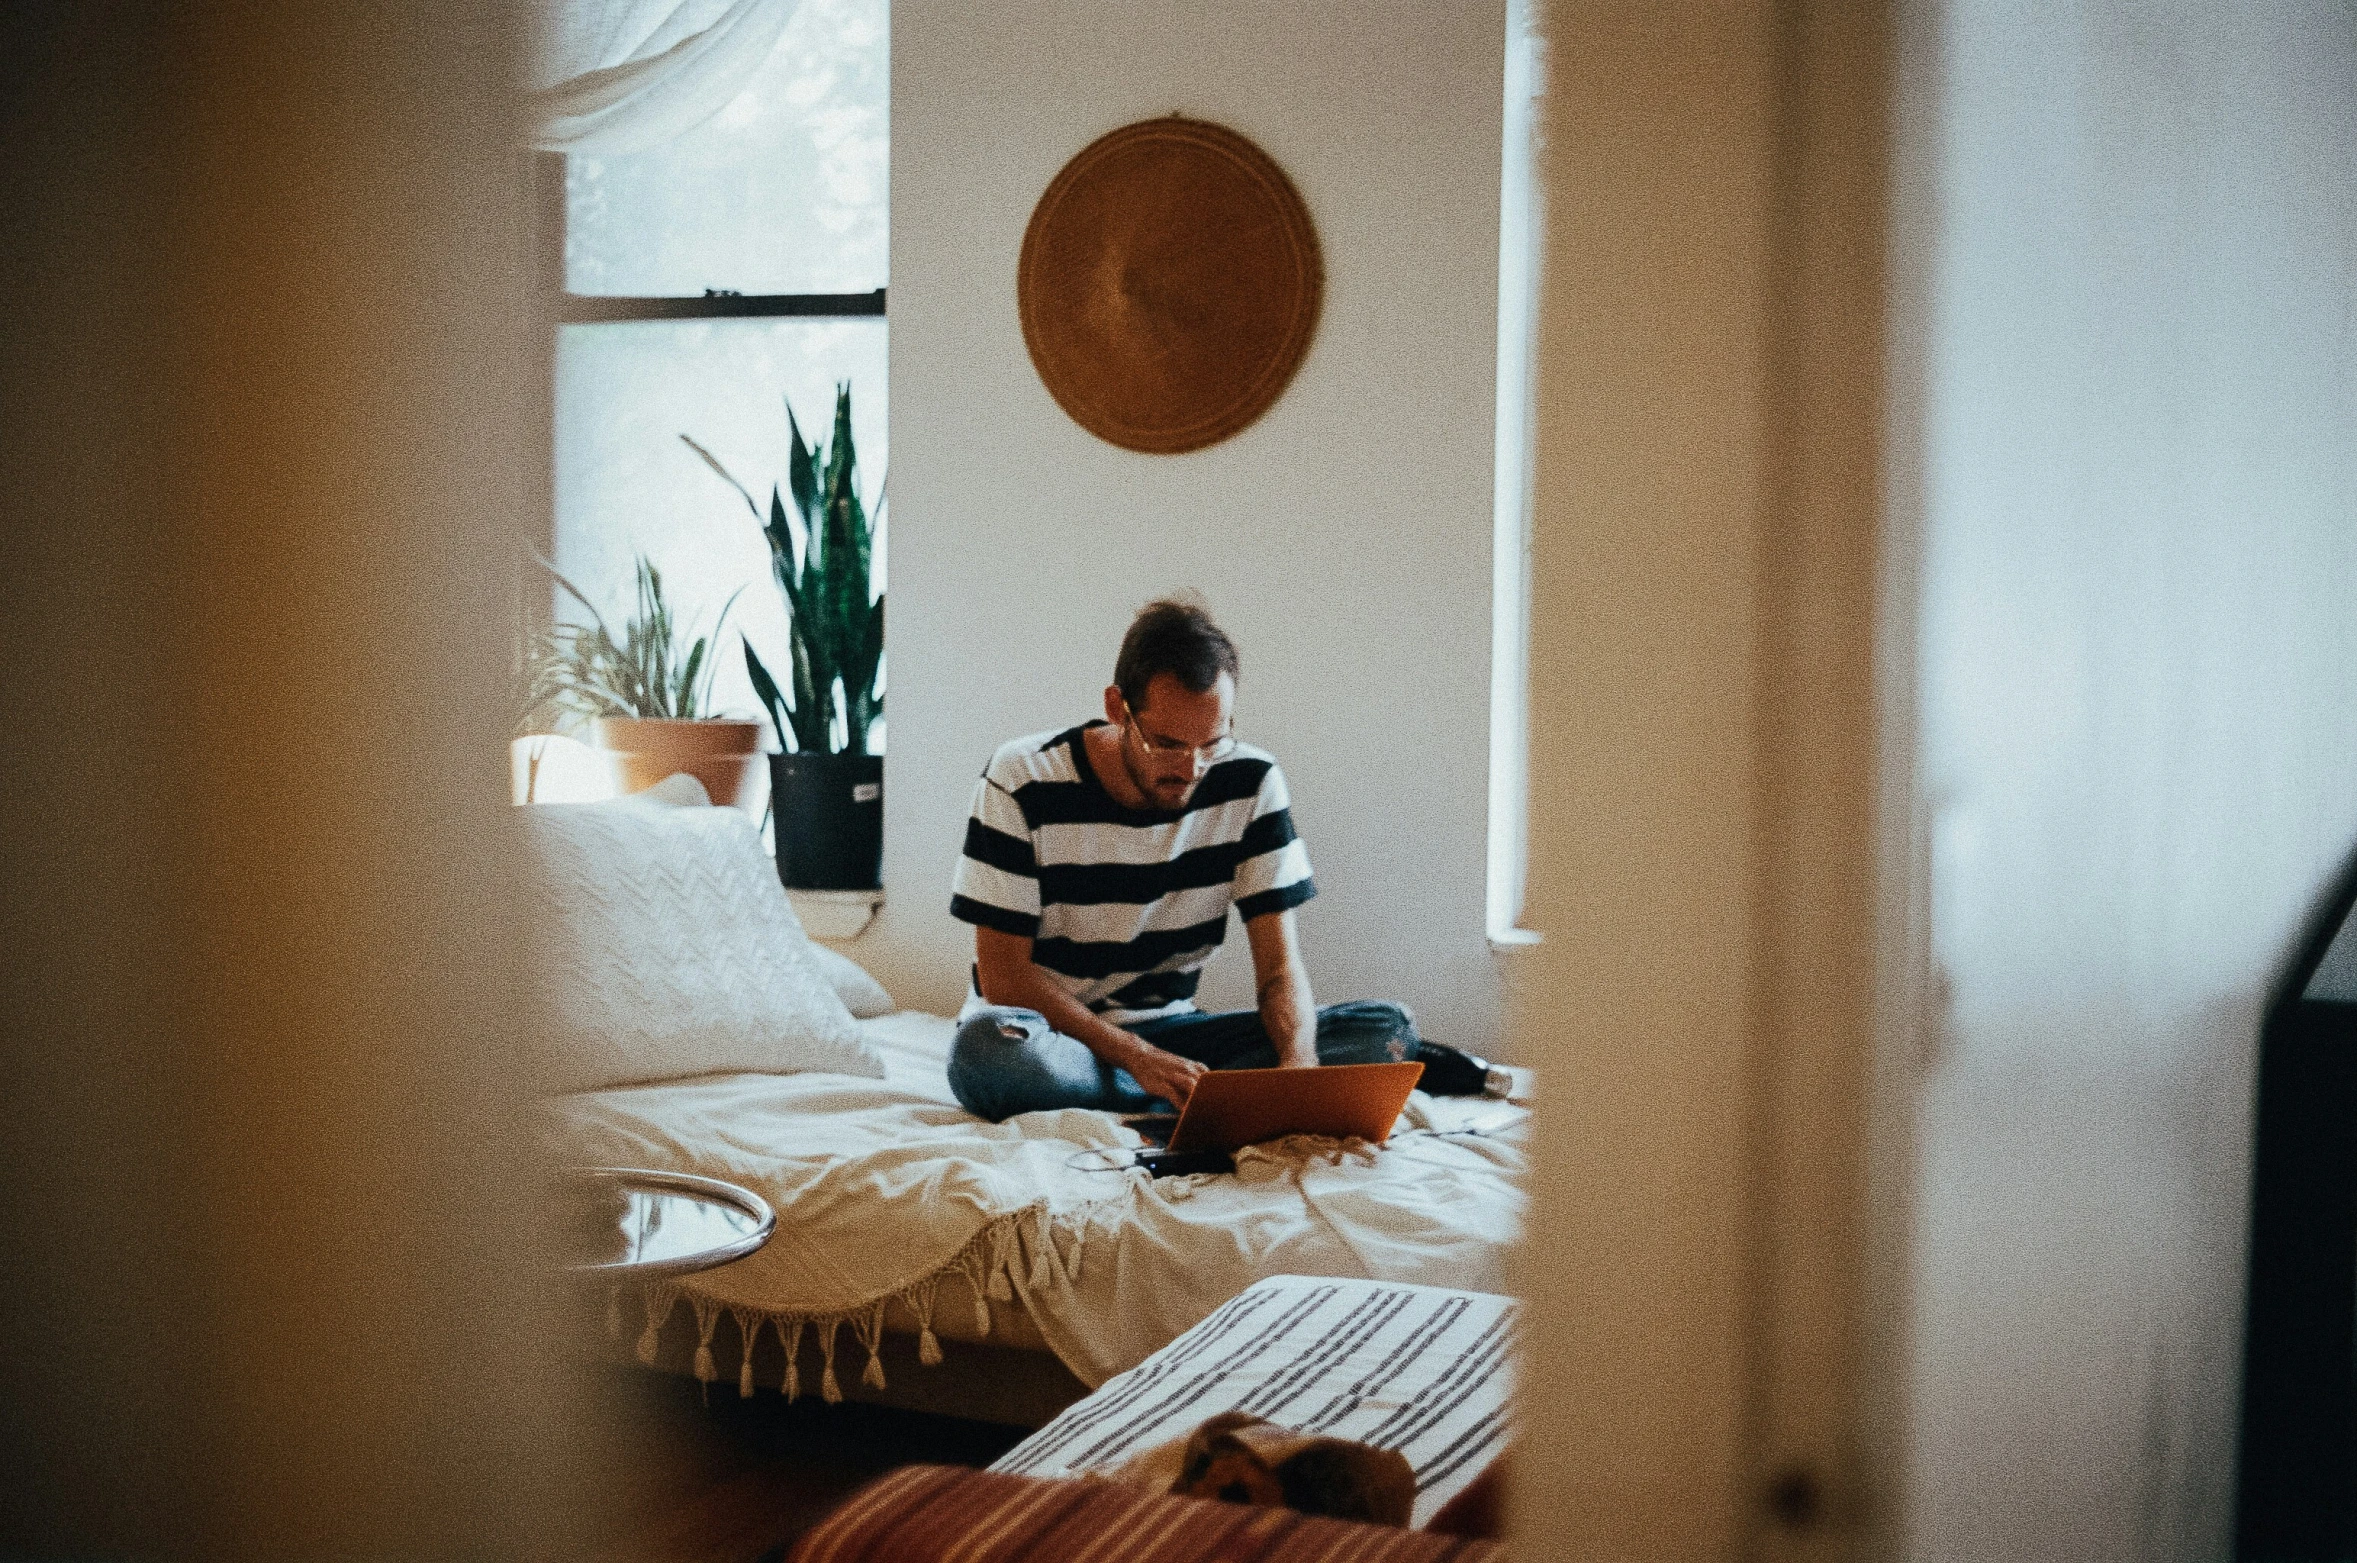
(1167,741)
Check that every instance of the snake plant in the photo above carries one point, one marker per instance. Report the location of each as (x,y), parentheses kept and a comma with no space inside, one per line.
(836,635)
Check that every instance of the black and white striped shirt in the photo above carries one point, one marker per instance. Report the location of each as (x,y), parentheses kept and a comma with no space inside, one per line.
(1123,906)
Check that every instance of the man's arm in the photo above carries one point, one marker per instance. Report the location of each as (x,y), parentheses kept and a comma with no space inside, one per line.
(1007,975)
(1281,979)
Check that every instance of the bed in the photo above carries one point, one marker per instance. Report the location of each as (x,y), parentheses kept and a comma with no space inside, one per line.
(1004,1268)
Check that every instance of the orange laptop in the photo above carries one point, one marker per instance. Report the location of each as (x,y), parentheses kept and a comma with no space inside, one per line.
(1232,1108)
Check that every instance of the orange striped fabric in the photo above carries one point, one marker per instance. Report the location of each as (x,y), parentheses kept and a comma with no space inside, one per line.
(946,1514)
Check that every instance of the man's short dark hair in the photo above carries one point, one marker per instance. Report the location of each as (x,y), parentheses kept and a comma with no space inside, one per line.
(1173,635)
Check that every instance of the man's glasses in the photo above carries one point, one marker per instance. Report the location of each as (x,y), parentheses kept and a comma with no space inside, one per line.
(1170,753)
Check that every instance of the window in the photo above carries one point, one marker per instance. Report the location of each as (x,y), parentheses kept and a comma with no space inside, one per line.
(701,286)
(1521,224)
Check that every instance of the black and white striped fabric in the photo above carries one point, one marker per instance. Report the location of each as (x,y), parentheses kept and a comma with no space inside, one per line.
(1420,1369)
(1123,906)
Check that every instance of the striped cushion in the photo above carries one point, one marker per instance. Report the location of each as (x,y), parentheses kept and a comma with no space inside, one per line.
(1420,1369)
(921,1513)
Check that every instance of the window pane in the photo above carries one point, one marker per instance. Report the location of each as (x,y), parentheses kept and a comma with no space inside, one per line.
(783,191)
(625,485)
(1521,220)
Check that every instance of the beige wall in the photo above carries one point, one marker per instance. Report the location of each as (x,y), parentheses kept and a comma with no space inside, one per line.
(1703,742)
(1344,539)
(267,1226)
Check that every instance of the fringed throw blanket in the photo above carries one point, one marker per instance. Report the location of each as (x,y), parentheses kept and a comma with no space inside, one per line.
(887,1191)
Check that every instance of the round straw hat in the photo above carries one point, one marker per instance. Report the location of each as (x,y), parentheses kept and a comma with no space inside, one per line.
(1169,285)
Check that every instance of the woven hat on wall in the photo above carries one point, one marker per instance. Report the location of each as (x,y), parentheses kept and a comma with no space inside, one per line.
(1169,285)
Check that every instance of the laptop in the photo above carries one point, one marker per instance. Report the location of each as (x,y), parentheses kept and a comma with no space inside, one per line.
(1233,1108)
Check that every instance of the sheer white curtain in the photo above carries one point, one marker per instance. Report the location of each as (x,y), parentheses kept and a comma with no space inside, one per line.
(613,76)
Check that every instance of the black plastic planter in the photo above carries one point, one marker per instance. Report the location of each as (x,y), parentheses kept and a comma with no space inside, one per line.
(830,820)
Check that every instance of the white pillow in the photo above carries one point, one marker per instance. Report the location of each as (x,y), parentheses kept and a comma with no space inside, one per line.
(861,994)
(667,947)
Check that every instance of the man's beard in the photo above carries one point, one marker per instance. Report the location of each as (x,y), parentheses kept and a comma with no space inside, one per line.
(1153,790)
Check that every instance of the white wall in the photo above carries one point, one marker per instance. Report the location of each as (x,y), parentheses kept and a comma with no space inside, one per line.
(2139,687)
(1344,539)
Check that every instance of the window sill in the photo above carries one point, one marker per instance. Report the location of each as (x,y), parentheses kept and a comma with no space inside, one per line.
(835,916)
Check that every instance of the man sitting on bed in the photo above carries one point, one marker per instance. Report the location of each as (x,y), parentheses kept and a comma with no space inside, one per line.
(1099,866)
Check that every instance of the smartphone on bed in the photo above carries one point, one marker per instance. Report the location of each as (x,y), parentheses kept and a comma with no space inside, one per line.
(1175,1164)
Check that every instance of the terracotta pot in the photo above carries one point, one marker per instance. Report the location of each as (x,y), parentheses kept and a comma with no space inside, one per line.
(721,754)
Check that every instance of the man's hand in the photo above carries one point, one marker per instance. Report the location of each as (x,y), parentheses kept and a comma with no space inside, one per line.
(1164,1074)
(1006,975)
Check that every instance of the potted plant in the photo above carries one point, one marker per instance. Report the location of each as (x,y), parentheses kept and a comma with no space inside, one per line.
(827,786)
(646,694)
(538,702)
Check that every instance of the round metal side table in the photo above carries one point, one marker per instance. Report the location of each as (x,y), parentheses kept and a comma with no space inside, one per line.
(633,1224)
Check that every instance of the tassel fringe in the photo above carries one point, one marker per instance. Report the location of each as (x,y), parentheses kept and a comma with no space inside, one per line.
(790,1331)
(828,1390)
(920,1302)
(707,1316)
(973,1266)
(869,1327)
(660,1301)
(1025,1246)
(749,1327)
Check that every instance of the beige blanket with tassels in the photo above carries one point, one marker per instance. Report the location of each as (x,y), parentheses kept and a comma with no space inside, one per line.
(887,1190)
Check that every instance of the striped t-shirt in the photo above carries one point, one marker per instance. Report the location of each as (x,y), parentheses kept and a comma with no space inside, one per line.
(1123,906)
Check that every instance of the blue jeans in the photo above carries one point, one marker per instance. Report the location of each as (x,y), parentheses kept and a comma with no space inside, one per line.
(1008,1061)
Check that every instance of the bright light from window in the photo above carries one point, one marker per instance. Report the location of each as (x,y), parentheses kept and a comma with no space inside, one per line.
(783,191)
(1520,229)
(625,485)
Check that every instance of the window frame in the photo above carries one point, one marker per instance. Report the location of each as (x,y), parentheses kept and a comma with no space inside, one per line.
(556,307)
(561,307)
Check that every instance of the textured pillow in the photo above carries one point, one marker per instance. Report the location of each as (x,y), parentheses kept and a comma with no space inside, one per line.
(667,947)
(861,994)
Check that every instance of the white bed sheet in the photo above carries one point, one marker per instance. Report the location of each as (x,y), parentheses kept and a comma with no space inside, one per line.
(888,1191)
